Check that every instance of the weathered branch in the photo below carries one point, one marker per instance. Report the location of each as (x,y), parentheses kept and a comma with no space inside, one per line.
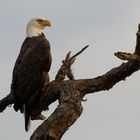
(63,117)
(65,69)
(70,92)
(108,80)
(128,56)
(56,125)
(8,100)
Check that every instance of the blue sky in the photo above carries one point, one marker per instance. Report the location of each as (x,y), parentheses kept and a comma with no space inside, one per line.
(107,26)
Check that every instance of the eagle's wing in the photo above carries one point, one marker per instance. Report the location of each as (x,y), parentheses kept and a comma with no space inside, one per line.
(28,74)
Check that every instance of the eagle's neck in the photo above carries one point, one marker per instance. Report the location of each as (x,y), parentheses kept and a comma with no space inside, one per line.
(33,31)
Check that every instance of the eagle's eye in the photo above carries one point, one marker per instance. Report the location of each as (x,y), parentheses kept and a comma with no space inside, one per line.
(39,21)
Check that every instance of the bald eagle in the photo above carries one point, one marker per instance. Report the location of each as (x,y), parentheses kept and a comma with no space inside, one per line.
(31,69)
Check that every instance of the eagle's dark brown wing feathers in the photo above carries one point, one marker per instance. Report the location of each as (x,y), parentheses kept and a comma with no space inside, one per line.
(28,75)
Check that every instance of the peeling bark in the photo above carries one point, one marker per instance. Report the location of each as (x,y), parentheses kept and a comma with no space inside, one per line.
(63,117)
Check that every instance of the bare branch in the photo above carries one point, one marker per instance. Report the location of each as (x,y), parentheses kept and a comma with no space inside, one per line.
(65,69)
(127,56)
(108,80)
(74,56)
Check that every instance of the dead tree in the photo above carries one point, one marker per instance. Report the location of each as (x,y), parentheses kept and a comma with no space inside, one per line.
(70,93)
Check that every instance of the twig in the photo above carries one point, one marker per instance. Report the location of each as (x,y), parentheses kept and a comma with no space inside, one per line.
(65,69)
(79,52)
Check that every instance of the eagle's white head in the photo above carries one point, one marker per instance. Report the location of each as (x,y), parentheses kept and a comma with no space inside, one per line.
(36,26)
